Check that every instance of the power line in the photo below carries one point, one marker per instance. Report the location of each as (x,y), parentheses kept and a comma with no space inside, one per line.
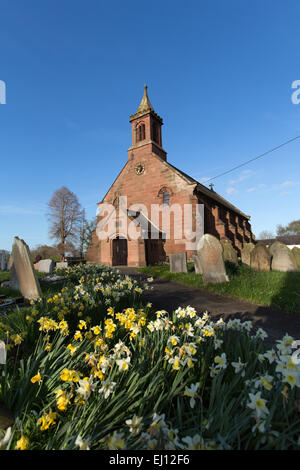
(255,158)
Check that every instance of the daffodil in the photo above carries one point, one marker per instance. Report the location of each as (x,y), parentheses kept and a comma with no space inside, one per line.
(134,424)
(123,363)
(62,401)
(107,388)
(116,441)
(83,445)
(47,420)
(22,443)
(192,393)
(86,387)
(221,361)
(239,367)
(258,404)
(36,378)
(71,348)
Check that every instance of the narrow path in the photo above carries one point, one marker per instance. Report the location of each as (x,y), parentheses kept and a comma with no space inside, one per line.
(169,295)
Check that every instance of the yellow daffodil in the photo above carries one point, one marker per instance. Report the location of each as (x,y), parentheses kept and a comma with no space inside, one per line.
(22,443)
(36,378)
(47,420)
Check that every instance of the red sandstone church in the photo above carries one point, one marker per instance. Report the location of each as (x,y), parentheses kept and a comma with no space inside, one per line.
(148,179)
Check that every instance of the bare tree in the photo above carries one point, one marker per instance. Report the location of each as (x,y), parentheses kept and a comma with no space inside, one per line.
(65,216)
(266,234)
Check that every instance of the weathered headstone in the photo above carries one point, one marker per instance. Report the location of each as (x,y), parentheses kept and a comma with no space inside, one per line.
(62,264)
(260,258)
(282,257)
(22,269)
(46,266)
(210,254)
(245,253)
(178,262)
(13,282)
(197,264)
(229,253)
(296,252)
(3,260)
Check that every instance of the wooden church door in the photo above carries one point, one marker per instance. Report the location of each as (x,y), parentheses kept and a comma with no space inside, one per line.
(119,252)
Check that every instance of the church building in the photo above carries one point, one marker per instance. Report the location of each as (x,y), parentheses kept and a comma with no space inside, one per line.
(149,180)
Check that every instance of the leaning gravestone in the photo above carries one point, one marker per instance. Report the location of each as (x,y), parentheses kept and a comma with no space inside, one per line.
(22,269)
(296,252)
(282,257)
(229,253)
(197,264)
(260,258)
(210,253)
(62,264)
(178,263)
(46,266)
(245,253)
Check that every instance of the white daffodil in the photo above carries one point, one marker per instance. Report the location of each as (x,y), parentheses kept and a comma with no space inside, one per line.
(265,381)
(192,393)
(123,363)
(239,367)
(134,424)
(261,334)
(86,387)
(83,445)
(292,377)
(107,388)
(270,355)
(193,443)
(221,361)
(258,404)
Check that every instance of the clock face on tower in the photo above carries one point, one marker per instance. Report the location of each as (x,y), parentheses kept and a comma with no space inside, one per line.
(140,168)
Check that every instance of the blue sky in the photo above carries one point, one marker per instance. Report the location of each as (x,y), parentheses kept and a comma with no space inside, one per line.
(218,72)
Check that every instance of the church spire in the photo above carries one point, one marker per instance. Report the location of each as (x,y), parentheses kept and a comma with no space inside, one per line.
(145,104)
(145,107)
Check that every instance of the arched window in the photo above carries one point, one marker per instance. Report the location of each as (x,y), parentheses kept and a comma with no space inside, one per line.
(140,133)
(154,132)
(166,198)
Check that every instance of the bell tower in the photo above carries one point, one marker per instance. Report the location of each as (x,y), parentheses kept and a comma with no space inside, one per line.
(146,130)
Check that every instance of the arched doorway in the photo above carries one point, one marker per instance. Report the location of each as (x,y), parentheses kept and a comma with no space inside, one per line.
(119,251)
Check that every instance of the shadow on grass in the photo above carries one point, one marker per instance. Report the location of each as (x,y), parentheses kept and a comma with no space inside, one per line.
(287,296)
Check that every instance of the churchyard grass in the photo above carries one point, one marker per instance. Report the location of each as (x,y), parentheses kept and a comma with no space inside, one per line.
(93,367)
(266,288)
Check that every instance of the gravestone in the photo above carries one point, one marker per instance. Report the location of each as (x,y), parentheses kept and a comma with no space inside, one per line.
(210,253)
(282,257)
(3,260)
(296,252)
(178,263)
(260,258)
(13,282)
(22,272)
(62,264)
(229,253)
(46,266)
(245,253)
(197,264)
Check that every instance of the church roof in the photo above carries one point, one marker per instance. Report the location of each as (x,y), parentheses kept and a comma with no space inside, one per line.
(200,188)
